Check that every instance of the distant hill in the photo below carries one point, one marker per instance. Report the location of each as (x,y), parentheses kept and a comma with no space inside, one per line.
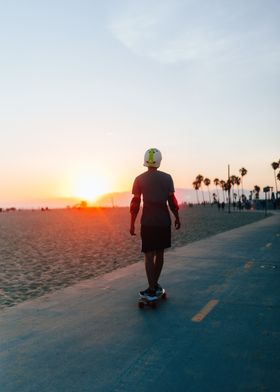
(122,199)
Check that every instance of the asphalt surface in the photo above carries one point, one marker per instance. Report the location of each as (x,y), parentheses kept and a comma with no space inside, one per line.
(218,330)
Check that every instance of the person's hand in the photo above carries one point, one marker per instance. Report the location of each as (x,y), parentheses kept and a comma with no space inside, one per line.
(177,224)
(132,230)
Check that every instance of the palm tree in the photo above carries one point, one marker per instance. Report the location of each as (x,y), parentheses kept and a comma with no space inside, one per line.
(200,178)
(217,182)
(243,173)
(232,181)
(238,182)
(207,182)
(257,191)
(196,185)
(227,188)
(275,166)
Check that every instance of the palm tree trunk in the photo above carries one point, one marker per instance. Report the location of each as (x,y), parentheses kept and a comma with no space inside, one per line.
(197,197)
(275,183)
(202,196)
(209,195)
(218,197)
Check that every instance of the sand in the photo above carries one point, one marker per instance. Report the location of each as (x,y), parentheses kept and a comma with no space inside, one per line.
(41,252)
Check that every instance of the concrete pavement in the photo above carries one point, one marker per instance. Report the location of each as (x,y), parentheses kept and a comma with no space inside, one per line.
(219,329)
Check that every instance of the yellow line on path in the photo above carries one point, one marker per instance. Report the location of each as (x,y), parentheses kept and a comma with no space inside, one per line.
(198,317)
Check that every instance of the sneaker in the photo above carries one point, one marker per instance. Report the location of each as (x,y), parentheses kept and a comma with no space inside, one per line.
(143,293)
(148,294)
(159,289)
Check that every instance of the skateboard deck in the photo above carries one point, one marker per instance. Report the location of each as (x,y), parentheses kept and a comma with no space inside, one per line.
(142,302)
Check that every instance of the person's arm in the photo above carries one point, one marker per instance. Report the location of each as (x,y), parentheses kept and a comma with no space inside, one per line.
(174,207)
(134,209)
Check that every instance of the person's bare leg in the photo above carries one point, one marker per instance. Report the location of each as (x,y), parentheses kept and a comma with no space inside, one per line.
(159,259)
(150,269)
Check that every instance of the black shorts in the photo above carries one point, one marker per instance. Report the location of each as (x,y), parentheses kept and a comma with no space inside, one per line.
(155,238)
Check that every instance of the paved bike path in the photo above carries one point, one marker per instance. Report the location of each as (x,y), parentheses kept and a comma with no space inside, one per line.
(219,329)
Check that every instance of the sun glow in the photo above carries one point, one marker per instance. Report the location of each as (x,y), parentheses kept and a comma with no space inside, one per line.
(89,187)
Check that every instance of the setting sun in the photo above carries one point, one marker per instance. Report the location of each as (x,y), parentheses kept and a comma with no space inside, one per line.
(89,187)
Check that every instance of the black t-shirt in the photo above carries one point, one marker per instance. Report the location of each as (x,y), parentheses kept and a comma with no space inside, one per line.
(155,186)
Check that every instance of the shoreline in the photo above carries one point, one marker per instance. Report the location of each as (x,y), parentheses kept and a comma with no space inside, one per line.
(41,252)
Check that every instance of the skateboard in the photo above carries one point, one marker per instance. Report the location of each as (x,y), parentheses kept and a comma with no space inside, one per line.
(142,302)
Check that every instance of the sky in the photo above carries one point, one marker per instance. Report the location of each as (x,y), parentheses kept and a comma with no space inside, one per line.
(86,87)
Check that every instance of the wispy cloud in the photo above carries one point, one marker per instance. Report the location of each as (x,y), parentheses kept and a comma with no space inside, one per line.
(194,32)
(190,47)
(139,29)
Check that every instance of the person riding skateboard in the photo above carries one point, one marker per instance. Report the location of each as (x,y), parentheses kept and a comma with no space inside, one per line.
(157,189)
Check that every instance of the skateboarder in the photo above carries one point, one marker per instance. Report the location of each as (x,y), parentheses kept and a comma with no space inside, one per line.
(157,190)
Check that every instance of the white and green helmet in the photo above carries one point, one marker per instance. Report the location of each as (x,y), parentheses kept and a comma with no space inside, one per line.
(152,158)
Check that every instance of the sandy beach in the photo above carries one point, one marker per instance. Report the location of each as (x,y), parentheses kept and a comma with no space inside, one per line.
(41,252)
